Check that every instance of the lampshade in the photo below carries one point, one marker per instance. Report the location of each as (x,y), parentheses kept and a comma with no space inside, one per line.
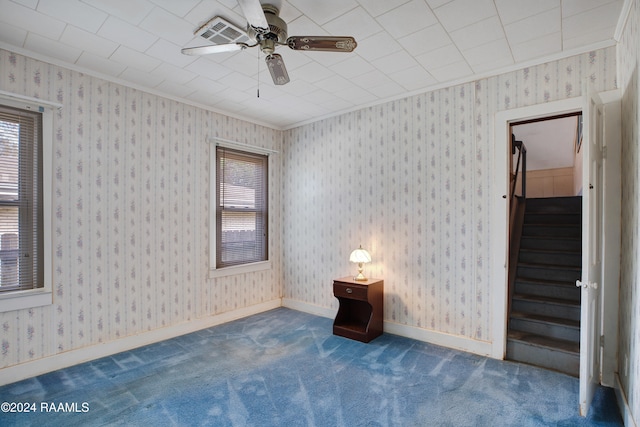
(360,256)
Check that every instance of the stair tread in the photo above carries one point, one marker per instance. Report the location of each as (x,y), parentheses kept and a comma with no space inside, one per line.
(553,237)
(543,282)
(545,299)
(541,341)
(546,319)
(550,266)
(551,251)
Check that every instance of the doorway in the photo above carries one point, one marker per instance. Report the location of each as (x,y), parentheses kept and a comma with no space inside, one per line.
(545,245)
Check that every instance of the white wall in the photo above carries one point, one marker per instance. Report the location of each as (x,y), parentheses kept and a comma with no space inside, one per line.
(629,319)
(411,180)
(131,206)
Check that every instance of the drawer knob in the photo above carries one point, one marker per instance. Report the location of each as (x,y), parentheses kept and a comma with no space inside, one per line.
(349,290)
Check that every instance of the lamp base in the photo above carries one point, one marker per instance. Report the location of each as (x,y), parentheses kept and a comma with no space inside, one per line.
(360,277)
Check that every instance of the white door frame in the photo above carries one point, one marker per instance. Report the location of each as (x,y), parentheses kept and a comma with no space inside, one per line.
(500,207)
(611,239)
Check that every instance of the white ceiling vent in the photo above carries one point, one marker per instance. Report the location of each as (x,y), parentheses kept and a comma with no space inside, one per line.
(220,31)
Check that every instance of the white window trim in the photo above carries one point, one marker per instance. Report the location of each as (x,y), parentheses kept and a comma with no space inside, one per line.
(19,300)
(235,269)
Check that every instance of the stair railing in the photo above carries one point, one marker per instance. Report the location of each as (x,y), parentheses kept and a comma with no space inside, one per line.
(522,158)
(516,211)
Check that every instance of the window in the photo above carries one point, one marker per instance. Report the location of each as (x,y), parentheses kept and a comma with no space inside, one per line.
(21,199)
(241,214)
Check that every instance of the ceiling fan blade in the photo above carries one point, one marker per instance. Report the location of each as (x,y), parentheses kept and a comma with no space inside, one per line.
(252,10)
(278,71)
(322,43)
(215,48)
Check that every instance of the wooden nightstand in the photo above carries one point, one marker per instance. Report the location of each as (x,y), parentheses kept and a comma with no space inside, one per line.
(360,314)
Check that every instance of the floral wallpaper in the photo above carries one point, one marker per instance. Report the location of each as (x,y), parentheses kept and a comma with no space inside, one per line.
(629,317)
(411,180)
(131,207)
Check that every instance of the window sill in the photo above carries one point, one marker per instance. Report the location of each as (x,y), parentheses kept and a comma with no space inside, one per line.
(239,269)
(20,300)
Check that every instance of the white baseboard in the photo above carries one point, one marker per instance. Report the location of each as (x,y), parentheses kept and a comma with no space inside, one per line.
(623,405)
(25,370)
(308,308)
(482,348)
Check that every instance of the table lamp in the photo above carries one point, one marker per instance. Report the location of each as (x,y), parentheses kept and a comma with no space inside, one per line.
(360,256)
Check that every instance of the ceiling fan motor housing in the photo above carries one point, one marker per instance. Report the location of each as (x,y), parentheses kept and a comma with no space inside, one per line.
(277,30)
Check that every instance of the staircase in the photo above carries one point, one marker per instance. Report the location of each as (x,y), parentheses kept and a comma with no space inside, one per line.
(544,318)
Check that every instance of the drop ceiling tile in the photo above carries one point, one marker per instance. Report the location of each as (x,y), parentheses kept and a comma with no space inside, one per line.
(238,81)
(126,34)
(168,26)
(169,52)
(287,12)
(377,8)
(75,13)
(178,8)
(437,3)
(407,19)
(372,79)
(83,40)
(298,87)
(575,7)
(173,74)
(377,46)
(294,59)
(514,10)
(454,71)
(248,63)
(24,17)
(581,24)
(179,90)
(207,9)
(52,48)
(440,57)
(538,47)
(425,40)
(137,60)
(208,69)
(12,35)
(207,85)
(395,62)
(533,27)
(352,67)
(493,55)
(132,11)
(587,38)
(477,34)
(356,23)
(357,95)
(303,26)
(414,78)
(312,72)
(460,13)
(387,90)
(334,84)
(32,4)
(318,96)
(140,78)
(100,64)
(323,11)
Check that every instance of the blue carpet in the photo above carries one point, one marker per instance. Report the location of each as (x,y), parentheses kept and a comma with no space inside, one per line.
(285,368)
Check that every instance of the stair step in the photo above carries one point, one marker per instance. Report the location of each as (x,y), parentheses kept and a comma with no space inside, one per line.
(560,273)
(574,218)
(559,355)
(550,256)
(554,204)
(543,306)
(547,288)
(551,242)
(552,230)
(552,327)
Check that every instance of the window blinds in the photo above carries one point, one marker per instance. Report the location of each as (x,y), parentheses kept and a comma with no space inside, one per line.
(241,207)
(21,226)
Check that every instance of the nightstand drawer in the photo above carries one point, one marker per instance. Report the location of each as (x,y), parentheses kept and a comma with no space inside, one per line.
(349,290)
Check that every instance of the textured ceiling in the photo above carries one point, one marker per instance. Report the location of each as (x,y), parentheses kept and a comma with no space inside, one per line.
(404,47)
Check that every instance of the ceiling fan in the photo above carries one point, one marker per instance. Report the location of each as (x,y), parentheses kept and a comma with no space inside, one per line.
(268,31)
